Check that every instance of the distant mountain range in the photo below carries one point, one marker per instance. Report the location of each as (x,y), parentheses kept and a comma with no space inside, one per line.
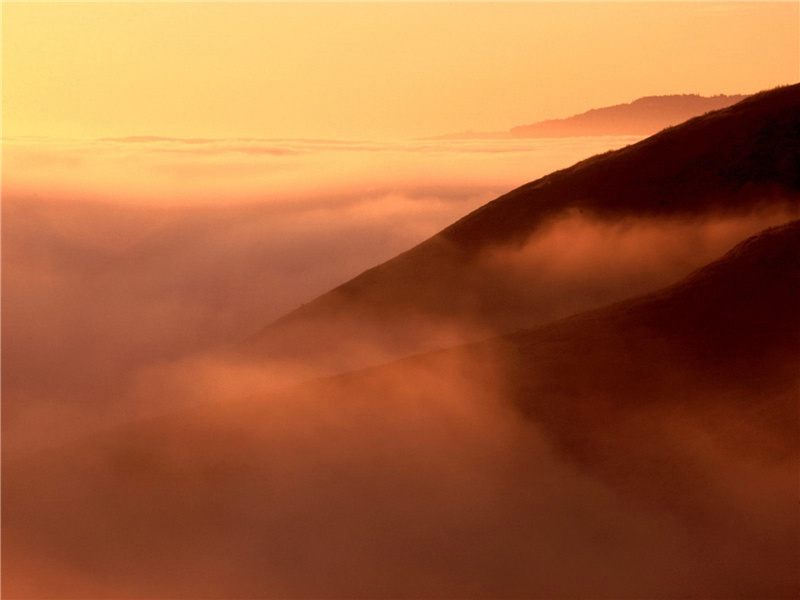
(644,116)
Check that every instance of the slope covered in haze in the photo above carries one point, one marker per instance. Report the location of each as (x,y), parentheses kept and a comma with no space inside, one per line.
(724,340)
(644,116)
(653,211)
(608,455)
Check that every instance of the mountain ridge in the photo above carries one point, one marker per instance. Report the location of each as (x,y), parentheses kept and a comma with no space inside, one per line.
(733,161)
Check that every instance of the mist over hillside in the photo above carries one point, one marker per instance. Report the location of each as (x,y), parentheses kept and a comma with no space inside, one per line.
(604,455)
(611,226)
(263,338)
(584,388)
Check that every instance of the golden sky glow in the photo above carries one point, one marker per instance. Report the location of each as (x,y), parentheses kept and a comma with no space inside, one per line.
(369,70)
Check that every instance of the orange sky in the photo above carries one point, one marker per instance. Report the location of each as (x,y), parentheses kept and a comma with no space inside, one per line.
(370,70)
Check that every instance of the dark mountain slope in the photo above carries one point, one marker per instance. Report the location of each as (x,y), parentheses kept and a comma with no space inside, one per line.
(724,160)
(606,455)
(724,164)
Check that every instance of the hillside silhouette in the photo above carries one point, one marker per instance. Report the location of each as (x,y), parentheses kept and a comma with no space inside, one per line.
(730,163)
(660,432)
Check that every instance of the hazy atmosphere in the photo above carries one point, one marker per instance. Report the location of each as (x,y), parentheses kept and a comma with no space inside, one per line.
(400,300)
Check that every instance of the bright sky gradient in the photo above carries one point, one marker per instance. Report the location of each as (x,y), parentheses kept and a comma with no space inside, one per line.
(370,70)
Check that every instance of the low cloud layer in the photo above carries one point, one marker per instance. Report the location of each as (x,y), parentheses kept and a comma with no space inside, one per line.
(142,460)
(414,480)
(120,254)
(93,293)
(156,170)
